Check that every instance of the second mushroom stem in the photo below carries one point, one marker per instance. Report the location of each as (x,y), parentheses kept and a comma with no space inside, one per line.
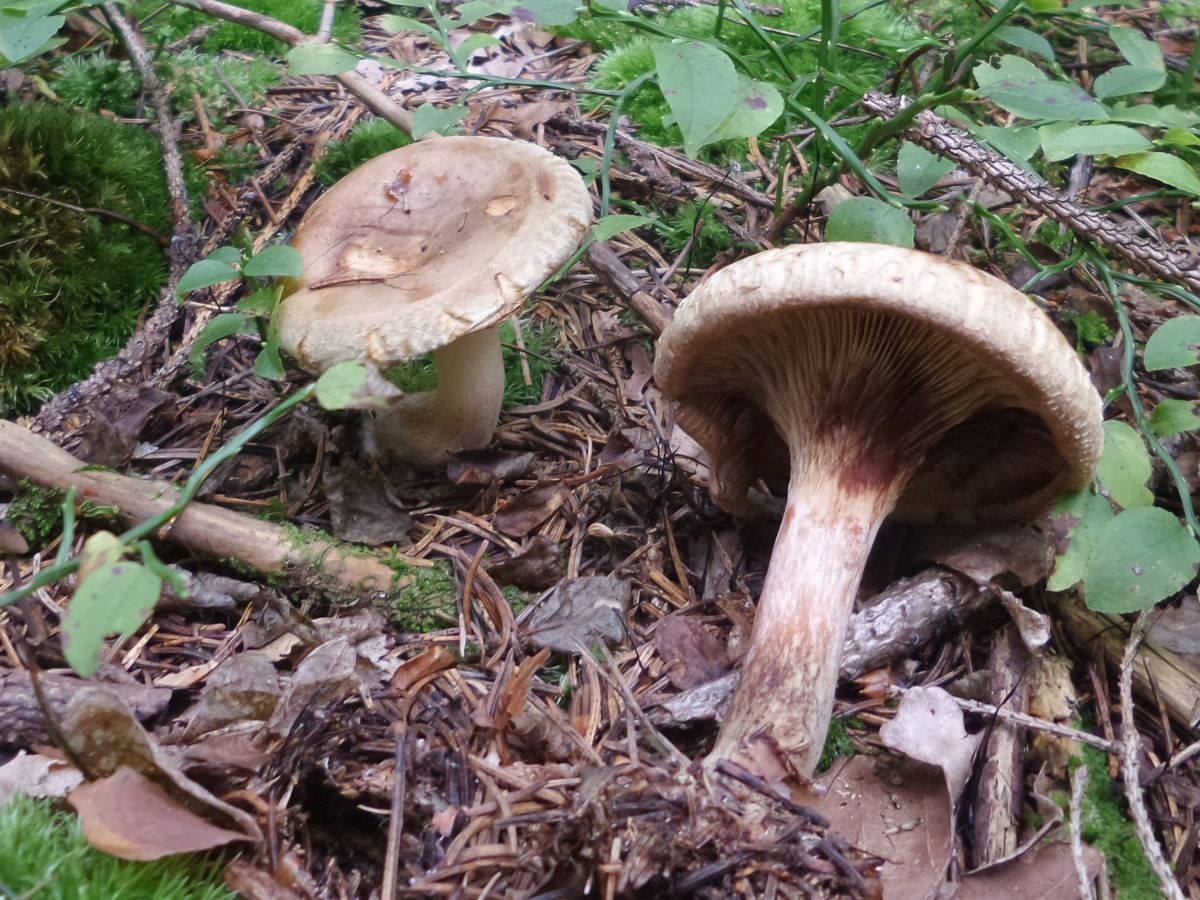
(784,697)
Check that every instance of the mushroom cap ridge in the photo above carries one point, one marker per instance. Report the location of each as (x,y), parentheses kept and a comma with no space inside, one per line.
(1047,403)
(426,243)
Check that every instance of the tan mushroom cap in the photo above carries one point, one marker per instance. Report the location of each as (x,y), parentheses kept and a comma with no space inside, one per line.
(424,244)
(896,343)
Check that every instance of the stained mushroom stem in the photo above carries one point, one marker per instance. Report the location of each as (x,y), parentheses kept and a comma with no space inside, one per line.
(460,414)
(784,696)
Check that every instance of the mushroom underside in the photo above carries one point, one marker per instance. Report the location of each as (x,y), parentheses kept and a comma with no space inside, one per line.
(872,413)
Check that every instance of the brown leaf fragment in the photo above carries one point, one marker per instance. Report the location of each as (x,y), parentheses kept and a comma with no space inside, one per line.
(226,751)
(530,509)
(253,883)
(579,612)
(115,419)
(1047,874)
(482,467)
(1024,550)
(1177,628)
(245,686)
(35,775)
(928,727)
(129,816)
(535,568)
(325,676)
(692,653)
(896,810)
(435,659)
(359,508)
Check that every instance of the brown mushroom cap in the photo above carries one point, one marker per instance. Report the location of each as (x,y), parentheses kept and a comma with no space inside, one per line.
(934,365)
(427,243)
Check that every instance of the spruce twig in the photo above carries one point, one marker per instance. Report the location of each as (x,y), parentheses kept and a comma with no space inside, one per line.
(1173,263)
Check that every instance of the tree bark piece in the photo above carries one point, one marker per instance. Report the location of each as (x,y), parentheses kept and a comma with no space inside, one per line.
(307,559)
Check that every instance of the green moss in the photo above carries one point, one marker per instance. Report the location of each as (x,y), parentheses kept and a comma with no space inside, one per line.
(36,512)
(838,744)
(93,81)
(369,139)
(44,856)
(428,603)
(517,598)
(74,284)
(173,23)
(222,81)
(1106,827)
(539,339)
(678,227)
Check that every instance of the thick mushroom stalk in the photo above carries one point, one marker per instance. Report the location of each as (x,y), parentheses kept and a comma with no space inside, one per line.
(868,381)
(460,414)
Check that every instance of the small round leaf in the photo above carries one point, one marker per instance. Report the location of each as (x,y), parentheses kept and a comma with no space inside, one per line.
(1142,556)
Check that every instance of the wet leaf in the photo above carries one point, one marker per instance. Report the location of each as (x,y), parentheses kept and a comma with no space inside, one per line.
(987,553)
(129,816)
(243,688)
(327,674)
(693,655)
(530,509)
(1124,466)
(115,422)
(919,170)
(580,612)
(535,568)
(411,672)
(928,727)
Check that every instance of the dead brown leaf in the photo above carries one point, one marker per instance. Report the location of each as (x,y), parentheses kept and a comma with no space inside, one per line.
(1023,550)
(535,568)
(579,612)
(35,775)
(127,815)
(1177,628)
(326,675)
(359,508)
(928,727)
(482,467)
(115,420)
(896,810)
(417,669)
(530,509)
(693,654)
(245,686)
(1047,874)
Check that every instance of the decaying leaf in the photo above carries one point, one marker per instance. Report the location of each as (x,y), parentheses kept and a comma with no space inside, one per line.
(530,509)
(579,612)
(115,419)
(1177,628)
(104,736)
(898,811)
(535,568)
(482,467)
(1023,550)
(326,675)
(435,659)
(928,727)
(693,654)
(127,815)
(359,508)
(36,775)
(1032,626)
(245,686)
(1048,873)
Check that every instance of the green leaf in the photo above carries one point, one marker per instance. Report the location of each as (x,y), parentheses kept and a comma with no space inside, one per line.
(1174,344)
(397,24)
(1141,557)
(205,273)
(262,302)
(919,170)
(320,59)
(546,12)
(1178,137)
(337,388)
(1042,6)
(1169,116)
(474,10)
(227,254)
(1075,522)
(1164,167)
(476,41)
(1124,466)
(221,326)
(276,261)
(870,220)
(1174,417)
(1022,88)
(701,87)
(1091,140)
(1122,80)
(610,226)
(22,37)
(1137,49)
(268,364)
(758,105)
(427,118)
(1024,39)
(1018,144)
(116,597)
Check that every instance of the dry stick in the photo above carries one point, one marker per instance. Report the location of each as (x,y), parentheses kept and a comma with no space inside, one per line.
(1173,263)
(152,336)
(1078,786)
(1033,723)
(316,562)
(1131,747)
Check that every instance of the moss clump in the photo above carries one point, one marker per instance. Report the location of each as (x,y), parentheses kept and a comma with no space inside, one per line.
(711,238)
(369,139)
(428,603)
(539,339)
(1106,828)
(74,283)
(44,855)
(93,81)
(838,743)
(174,23)
(37,512)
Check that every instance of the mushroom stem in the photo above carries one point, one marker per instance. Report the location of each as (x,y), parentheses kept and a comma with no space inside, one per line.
(784,695)
(460,414)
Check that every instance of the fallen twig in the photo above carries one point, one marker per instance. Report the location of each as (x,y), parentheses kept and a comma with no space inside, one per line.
(1131,747)
(1078,786)
(1177,264)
